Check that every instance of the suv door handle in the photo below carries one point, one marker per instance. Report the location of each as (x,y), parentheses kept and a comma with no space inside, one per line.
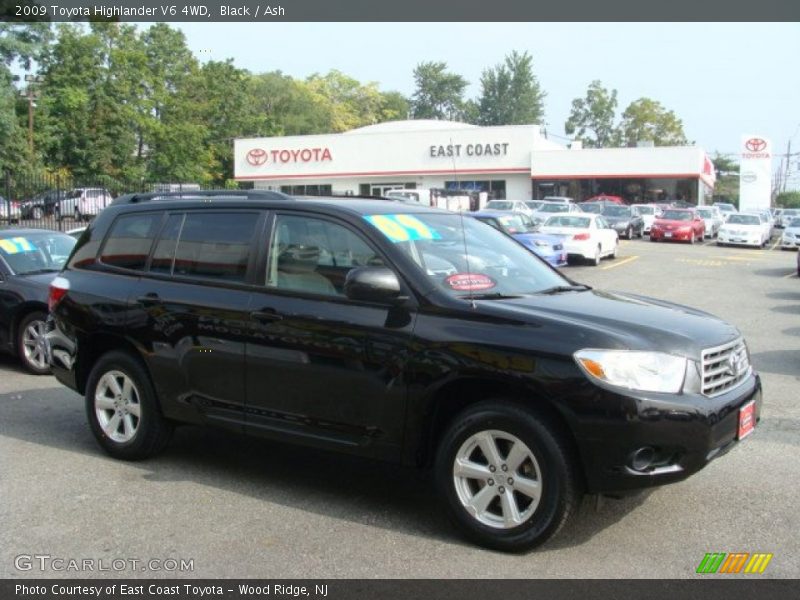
(149,299)
(265,316)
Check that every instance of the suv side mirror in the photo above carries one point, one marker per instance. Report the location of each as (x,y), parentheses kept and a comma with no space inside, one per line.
(373,284)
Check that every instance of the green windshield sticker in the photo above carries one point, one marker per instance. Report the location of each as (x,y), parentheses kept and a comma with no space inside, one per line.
(16,245)
(402,228)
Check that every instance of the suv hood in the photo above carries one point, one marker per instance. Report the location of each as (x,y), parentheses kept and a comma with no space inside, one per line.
(598,319)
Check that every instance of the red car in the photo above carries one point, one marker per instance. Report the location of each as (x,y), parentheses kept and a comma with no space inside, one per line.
(678,225)
(606,198)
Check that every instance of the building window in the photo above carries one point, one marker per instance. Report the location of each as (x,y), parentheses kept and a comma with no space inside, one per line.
(307,190)
(495,188)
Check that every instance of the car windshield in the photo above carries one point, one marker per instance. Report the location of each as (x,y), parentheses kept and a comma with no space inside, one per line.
(533,205)
(511,224)
(705,213)
(617,211)
(493,265)
(790,213)
(500,205)
(592,207)
(35,252)
(744,220)
(677,215)
(554,208)
(568,221)
(645,210)
(795,223)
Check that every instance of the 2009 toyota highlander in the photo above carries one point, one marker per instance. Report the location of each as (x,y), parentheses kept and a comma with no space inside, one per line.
(396,332)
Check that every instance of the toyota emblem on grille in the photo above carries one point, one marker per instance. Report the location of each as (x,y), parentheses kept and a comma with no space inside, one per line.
(755,144)
(736,364)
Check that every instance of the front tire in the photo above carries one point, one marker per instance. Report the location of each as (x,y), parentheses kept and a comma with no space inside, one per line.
(122,408)
(506,476)
(30,343)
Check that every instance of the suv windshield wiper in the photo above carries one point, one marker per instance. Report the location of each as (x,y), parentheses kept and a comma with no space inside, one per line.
(578,287)
(489,296)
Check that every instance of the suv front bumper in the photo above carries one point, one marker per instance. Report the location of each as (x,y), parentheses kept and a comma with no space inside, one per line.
(684,435)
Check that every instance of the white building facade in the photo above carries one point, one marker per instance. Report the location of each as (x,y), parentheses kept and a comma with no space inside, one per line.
(514,162)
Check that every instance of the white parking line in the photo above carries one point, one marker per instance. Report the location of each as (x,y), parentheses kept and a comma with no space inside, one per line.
(619,263)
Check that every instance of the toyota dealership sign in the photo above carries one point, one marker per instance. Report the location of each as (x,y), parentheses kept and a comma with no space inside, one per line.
(755,172)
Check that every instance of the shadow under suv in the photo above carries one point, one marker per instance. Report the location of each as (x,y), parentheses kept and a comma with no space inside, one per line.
(396,332)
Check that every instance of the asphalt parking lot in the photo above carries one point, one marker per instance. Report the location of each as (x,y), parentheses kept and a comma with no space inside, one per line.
(248,508)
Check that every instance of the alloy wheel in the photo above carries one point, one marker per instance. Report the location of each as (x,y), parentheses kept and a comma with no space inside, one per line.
(33,344)
(117,406)
(497,479)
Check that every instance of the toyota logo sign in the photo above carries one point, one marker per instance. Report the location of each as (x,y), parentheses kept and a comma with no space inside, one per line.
(256,157)
(755,144)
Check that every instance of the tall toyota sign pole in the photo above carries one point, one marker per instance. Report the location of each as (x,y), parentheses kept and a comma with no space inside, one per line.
(755,172)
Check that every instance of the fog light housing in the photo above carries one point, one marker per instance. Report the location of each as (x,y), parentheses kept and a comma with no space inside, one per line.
(642,459)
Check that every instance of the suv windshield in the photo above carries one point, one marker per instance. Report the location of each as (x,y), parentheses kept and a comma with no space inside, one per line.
(492,265)
(705,213)
(645,210)
(36,252)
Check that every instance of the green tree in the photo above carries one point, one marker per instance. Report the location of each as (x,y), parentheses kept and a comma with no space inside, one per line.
(20,43)
(724,165)
(788,199)
(591,119)
(394,106)
(438,94)
(510,93)
(648,120)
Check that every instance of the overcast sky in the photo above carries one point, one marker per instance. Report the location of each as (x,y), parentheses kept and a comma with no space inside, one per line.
(722,80)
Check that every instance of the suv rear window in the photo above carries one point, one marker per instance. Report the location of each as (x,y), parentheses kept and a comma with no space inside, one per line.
(128,243)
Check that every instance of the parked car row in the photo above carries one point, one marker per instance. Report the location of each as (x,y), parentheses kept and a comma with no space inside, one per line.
(80,204)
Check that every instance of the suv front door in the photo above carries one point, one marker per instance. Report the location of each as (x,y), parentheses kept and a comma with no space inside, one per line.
(319,365)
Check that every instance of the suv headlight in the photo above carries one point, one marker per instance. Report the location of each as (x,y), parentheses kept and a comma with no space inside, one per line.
(634,370)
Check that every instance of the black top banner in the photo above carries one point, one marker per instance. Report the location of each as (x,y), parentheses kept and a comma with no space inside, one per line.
(261,11)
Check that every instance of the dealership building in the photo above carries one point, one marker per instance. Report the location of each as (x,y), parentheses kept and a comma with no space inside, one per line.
(514,162)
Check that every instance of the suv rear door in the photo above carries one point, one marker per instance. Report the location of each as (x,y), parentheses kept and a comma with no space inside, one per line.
(320,366)
(190,312)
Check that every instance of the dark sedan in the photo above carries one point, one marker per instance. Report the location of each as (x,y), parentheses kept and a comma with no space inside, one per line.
(626,220)
(42,204)
(29,260)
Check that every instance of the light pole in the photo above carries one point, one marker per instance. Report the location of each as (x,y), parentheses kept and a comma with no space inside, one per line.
(31,95)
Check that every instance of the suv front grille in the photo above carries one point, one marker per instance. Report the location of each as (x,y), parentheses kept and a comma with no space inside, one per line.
(725,367)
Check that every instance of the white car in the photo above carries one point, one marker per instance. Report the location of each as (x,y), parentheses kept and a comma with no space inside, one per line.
(790,240)
(549,208)
(586,235)
(83,203)
(9,211)
(649,212)
(743,229)
(509,205)
(787,215)
(713,219)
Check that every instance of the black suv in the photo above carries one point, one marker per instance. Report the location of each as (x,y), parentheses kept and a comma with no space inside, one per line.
(397,332)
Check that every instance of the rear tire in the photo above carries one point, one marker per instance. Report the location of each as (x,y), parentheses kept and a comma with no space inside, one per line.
(123,410)
(515,508)
(595,260)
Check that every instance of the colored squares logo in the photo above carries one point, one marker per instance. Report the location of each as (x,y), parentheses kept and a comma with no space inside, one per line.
(735,562)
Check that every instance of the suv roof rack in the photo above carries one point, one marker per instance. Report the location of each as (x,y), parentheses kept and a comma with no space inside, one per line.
(192,194)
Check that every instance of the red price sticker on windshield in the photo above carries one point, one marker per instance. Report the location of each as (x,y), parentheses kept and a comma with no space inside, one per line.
(470,282)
